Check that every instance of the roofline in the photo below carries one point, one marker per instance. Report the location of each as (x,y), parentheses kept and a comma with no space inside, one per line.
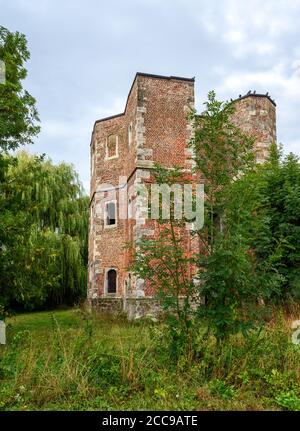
(147,75)
(255,95)
(178,78)
(111,117)
(186,79)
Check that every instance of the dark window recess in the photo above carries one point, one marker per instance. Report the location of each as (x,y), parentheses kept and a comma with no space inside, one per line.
(112,281)
(111,213)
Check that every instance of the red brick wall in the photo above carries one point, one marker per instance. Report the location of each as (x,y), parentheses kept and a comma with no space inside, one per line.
(166,104)
(157,109)
(106,244)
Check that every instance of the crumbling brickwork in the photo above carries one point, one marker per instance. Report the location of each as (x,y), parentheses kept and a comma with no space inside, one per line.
(255,114)
(154,128)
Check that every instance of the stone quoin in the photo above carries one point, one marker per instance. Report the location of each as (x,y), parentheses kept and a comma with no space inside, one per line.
(154,128)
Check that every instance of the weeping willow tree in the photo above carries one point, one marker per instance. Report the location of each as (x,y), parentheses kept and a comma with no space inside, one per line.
(44,223)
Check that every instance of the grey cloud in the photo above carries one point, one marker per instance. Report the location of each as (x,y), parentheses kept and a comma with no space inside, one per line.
(84,56)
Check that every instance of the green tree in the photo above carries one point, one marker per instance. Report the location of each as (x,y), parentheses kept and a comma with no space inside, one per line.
(232,278)
(44,234)
(222,152)
(264,206)
(226,267)
(18,113)
(18,126)
(277,238)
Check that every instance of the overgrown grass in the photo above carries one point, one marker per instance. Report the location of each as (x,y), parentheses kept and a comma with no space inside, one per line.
(70,360)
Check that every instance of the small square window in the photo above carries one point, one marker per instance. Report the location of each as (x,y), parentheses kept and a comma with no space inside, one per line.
(110,214)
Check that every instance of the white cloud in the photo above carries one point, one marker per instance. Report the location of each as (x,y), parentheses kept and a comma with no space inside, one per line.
(283,84)
(256,27)
(117,107)
(283,80)
(68,139)
(292,147)
(232,46)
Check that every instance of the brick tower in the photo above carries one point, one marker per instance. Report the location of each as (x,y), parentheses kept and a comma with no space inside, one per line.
(153,129)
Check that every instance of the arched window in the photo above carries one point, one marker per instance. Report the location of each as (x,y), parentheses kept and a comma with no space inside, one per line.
(112,281)
(112,146)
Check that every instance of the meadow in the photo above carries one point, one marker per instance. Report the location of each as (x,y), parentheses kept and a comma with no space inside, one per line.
(72,360)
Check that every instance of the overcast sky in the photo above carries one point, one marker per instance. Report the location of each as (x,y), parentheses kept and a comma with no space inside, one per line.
(84,55)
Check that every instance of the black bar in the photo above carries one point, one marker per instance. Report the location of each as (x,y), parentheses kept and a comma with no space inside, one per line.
(133,420)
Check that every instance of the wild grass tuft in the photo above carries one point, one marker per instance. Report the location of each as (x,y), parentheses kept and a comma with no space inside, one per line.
(71,360)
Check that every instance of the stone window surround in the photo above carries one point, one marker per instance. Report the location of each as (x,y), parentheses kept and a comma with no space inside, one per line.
(106,282)
(110,226)
(116,155)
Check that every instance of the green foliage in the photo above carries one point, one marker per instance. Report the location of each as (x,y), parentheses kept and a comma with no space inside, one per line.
(221,153)
(228,288)
(265,202)
(43,210)
(18,114)
(289,400)
(53,361)
(218,387)
(280,209)
(228,279)
(249,245)
(43,234)
(250,239)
